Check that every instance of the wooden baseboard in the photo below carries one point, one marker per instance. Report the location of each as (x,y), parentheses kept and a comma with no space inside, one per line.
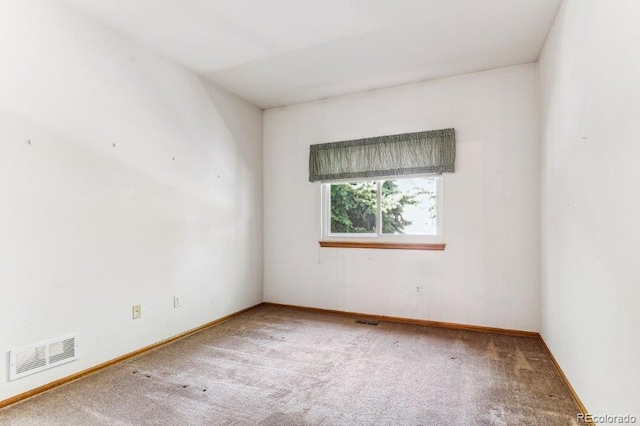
(564,378)
(76,376)
(429,323)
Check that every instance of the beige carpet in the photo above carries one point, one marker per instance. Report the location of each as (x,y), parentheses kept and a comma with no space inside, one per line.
(281,366)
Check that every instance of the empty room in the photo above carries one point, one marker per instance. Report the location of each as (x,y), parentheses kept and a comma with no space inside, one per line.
(340,212)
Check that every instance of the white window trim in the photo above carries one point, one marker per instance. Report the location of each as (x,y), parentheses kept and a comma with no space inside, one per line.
(325,214)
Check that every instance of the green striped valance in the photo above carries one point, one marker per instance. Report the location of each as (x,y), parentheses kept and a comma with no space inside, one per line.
(405,154)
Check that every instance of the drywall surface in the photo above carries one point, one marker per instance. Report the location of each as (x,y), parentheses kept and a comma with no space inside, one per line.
(88,229)
(489,273)
(590,128)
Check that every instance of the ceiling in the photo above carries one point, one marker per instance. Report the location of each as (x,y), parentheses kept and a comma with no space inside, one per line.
(282,52)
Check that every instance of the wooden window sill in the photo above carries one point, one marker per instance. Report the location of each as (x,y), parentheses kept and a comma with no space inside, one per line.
(387,246)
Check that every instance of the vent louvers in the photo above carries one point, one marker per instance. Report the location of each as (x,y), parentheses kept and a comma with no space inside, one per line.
(41,356)
(366,322)
(31,359)
(62,350)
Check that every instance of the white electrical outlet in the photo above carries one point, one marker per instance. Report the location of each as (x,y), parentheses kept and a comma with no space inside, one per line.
(137,311)
(176,301)
(418,289)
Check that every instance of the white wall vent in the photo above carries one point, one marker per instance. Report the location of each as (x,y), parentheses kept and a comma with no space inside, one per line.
(44,355)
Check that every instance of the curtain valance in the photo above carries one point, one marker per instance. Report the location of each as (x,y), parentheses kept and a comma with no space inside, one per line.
(432,151)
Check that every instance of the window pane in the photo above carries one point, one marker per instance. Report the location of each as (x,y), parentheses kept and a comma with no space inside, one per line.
(409,206)
(353,208)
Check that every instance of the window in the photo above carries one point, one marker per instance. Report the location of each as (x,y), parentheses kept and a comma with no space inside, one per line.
(403,209)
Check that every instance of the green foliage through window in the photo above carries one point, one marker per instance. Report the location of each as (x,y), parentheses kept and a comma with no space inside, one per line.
(354,206)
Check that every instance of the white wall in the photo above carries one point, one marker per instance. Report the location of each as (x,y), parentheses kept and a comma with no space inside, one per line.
(489,273)
(88,230)
(590,137)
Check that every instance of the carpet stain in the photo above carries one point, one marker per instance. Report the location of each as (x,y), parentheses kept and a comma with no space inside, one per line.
(492,351)
(520,362)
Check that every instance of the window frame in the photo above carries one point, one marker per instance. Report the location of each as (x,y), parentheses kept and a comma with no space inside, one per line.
(378,237)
